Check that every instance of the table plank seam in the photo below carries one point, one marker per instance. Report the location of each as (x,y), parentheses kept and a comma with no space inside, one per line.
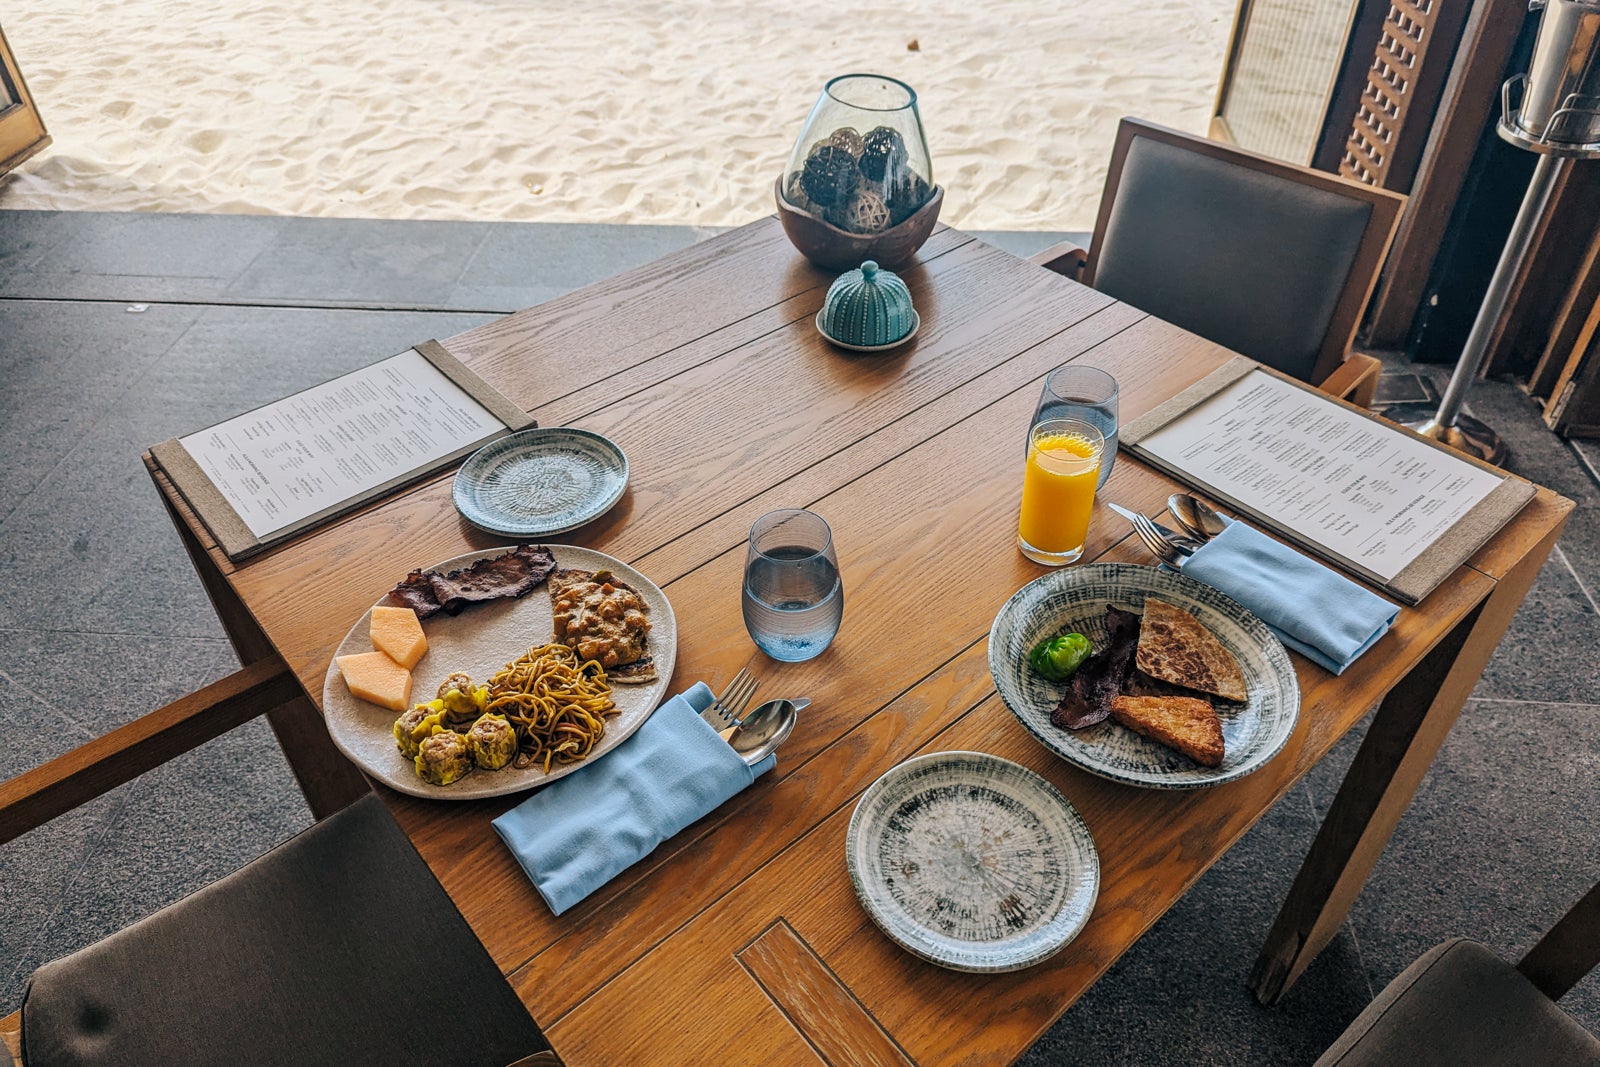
(887,459)
(774,306)
(617,887)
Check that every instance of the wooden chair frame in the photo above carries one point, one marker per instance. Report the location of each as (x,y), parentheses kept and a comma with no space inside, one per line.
(1358,382)
(22,132)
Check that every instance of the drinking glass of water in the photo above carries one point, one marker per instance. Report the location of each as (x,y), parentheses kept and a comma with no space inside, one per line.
(793,599)
(1086,393)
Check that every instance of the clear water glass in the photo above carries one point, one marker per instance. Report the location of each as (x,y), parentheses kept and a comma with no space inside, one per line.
(1086,393)
(793,598)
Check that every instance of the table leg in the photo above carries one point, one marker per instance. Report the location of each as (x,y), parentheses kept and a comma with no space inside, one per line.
(326,778)
(1406,733)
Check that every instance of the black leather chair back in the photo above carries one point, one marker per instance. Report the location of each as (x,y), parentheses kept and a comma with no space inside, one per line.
(1256,261)
(336,949)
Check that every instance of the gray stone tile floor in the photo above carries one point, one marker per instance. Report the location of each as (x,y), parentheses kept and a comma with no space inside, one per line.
(121,330)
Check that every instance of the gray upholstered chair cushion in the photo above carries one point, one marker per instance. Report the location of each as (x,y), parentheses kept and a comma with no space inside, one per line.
(1252,261)
(336,949)
(1463,1006)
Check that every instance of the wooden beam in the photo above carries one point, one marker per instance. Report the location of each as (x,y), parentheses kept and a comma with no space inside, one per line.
(1568,951)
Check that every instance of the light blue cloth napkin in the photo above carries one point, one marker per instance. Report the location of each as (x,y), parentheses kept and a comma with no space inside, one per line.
(579,832)
(1314,611)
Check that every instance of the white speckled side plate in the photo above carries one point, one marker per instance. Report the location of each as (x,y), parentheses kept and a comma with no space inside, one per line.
(539,482)
(481,640)
(1075,599)
(972,862)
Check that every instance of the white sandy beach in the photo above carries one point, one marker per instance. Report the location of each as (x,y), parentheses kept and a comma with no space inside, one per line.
(662,111)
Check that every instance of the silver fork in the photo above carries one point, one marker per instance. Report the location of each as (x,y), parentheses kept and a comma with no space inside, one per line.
(1163,549)
(726,709)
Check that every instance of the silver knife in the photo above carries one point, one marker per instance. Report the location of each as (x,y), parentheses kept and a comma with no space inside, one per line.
(1166,531)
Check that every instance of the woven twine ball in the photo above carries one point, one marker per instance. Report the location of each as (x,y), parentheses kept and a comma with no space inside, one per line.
(883,152)
(867,213)
(795,193)
(830,175)
(847,138)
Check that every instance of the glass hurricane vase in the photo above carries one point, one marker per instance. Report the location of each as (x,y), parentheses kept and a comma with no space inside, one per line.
(861,162)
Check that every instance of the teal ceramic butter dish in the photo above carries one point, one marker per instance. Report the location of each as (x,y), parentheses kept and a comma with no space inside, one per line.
(868,310)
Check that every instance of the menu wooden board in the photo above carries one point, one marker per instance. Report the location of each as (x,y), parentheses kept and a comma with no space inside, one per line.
(264,476)
(1399,510)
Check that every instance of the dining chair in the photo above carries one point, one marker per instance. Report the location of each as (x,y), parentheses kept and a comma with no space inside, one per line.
(338,947)
(1462,1005)
(1273,260)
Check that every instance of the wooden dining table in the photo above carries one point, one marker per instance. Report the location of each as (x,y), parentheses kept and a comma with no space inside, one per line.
(707,369)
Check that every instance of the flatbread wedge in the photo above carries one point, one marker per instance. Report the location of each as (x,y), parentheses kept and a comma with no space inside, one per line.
(1175,647)
(1187,724)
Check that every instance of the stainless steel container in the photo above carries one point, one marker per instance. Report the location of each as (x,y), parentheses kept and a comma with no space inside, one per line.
(1560,105)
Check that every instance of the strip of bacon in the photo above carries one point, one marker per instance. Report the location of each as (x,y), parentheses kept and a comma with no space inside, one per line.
(510,575)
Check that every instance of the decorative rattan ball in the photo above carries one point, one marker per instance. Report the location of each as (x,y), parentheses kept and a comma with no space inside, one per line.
(795,193)
(883,152)
(830,176)
(867,213)
(847,138)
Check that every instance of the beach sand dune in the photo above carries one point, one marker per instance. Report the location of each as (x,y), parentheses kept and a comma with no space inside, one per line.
(647,111)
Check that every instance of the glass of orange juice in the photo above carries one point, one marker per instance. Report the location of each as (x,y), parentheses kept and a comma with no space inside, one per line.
(1058,486)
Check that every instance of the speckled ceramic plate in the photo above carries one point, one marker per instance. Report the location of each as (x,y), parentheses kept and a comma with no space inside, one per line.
(481,640)
(1075,599)
(972,862)
(539,482)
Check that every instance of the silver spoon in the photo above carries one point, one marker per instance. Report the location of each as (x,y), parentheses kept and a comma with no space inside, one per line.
(764,729)
(1197,517)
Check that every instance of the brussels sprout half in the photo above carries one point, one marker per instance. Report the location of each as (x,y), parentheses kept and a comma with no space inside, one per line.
(1058,658)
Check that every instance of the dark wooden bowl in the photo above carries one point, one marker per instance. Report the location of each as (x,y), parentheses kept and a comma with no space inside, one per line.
(834,249)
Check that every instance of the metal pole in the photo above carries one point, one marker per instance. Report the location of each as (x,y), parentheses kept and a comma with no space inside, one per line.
(1447,423)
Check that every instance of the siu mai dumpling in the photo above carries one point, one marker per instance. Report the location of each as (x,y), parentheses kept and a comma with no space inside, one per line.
(493,742)
(443,757)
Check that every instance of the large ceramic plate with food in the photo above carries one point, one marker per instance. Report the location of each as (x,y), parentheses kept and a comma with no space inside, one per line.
(1075,599)
(479,641)
(972,862)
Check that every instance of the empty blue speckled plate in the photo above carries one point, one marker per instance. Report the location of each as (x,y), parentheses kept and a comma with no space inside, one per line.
(540,482)
(972,862)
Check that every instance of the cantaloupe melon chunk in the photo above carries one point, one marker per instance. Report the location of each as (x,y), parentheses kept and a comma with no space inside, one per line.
(397,632)
(374,676)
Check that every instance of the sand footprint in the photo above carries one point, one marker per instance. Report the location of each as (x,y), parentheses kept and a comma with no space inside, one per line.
(207,141)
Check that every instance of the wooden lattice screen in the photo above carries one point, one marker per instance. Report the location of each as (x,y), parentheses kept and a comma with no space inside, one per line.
(1370,151)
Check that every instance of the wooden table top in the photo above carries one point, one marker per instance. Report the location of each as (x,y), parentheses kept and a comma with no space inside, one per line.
(705,367)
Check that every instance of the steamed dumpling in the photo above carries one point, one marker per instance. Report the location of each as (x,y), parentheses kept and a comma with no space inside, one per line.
(493,742)
(443,757)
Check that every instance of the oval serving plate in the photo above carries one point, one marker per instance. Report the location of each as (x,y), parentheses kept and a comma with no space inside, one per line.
(539,482)
(972,862)
(481,640)
(1075,599)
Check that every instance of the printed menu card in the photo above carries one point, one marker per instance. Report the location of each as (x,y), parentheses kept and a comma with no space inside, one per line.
(270,473)
(1399,510)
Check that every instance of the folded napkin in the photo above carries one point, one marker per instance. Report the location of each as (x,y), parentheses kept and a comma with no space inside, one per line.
(579,832)
(1314,611)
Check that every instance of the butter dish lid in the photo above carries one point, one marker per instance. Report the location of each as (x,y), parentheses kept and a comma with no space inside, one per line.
(868,309)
